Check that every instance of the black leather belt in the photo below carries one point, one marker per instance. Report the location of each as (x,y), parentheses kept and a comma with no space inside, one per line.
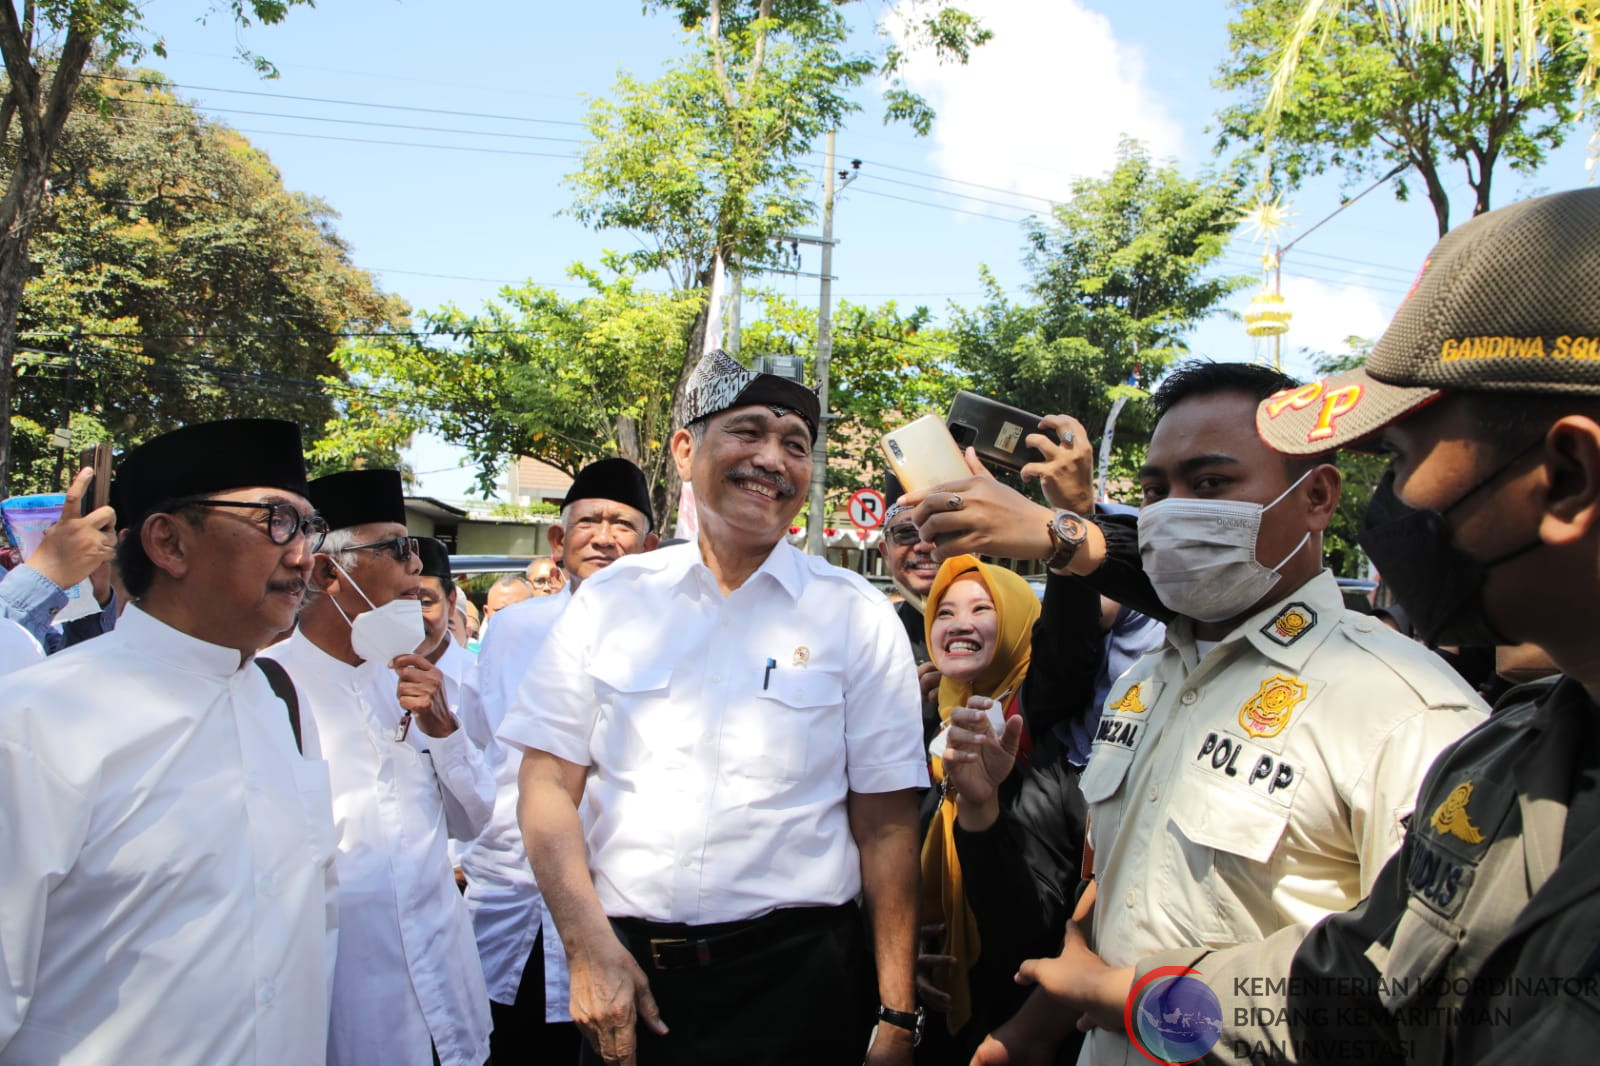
(721,943)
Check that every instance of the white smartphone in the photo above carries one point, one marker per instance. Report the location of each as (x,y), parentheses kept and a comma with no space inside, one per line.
(923,454)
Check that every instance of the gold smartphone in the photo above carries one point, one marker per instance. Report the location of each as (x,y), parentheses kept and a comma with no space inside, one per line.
(923,454)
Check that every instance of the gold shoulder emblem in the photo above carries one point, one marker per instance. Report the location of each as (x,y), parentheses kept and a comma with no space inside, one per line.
(1130,701)
(1451,818)
(1267,712)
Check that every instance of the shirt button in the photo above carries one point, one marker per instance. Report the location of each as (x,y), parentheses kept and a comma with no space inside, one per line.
(1155,791)
(707,737)
(1189,697)
(269,992)
(1132,898)
(686,862)
(264,884)
(716,679)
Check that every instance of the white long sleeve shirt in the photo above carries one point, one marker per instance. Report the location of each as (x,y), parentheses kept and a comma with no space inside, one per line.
(165,886)
(408,970)
(508,910)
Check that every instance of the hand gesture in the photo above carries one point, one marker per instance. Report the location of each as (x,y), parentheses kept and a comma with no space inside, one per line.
(976,761)
(1082,981)
(421,691)
(930,965)
(610,995)
(1067,474)
(980,516)
(76,545)
(928,677)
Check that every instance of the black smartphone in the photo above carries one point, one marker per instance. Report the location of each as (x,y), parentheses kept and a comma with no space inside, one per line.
(995,429)
(98,494)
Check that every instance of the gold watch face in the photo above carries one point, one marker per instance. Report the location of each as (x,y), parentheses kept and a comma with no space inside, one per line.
(1071,528)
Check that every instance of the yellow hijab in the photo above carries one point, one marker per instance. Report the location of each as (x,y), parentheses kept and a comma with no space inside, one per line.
(943,897)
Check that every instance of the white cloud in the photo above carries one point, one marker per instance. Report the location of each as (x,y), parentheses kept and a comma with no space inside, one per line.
(1326,315)
(1044,102)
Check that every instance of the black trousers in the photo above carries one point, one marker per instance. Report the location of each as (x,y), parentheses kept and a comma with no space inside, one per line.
(521,1035)
(799,992)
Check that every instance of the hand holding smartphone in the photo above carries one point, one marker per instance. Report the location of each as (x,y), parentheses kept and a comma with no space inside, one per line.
(923,454)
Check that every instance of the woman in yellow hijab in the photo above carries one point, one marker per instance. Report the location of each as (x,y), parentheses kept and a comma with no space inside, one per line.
(979,621)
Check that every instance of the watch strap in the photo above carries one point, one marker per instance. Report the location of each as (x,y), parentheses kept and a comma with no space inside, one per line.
(911,1021)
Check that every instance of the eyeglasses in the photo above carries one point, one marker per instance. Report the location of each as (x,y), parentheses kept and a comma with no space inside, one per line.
(904,535)
(402,548)
(283,521)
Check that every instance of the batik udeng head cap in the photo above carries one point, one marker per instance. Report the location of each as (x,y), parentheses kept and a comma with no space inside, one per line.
(1506,303)
(720,383)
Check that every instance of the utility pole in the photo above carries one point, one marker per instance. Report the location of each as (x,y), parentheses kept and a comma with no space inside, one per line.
(819,451)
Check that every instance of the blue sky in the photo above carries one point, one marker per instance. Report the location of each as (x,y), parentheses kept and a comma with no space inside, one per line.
(441,131)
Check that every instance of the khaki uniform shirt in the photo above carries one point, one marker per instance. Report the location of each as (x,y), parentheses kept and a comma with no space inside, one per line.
(1480,941)
(1262,786)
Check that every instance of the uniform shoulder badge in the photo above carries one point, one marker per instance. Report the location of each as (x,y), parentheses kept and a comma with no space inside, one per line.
(802,655)
(1130,701)
(1267,712)
(1451,818)
(1290,624)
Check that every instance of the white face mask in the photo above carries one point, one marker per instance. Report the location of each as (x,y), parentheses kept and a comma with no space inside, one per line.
(1201,554)
(384,632)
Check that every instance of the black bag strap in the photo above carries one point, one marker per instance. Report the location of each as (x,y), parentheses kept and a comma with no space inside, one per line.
(278,678)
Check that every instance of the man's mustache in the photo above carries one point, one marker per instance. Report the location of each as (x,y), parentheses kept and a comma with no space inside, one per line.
(783,485)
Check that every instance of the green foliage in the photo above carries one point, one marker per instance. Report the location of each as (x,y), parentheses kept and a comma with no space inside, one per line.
(1120,273)
(1375,92)
(534,373)
(39,466)
(175,280)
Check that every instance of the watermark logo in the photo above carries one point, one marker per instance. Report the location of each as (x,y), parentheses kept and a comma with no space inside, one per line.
(1171,1016)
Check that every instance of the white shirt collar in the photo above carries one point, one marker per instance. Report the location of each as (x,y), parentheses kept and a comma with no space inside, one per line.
(158,640)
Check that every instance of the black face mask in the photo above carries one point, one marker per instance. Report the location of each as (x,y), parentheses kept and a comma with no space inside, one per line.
(1438,583)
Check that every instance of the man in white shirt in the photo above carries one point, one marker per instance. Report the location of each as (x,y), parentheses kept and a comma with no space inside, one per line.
(438,598)
(605,515)
(739,724)
(166,889)
(405,775)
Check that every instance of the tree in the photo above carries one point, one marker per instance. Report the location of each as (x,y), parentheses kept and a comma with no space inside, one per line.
(1377,91)
(1119,274)
(534,373)
(175,280)
(43,85)
(706,162)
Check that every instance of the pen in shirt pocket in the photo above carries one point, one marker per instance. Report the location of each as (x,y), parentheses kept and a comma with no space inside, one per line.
(766,675)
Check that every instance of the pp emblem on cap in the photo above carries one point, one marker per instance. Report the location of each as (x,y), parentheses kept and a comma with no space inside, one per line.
(1291,623)
(1267,712)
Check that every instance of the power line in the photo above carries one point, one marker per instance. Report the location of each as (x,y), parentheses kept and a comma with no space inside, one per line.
(392,144)
(344,103)
(942,192)
(942,207)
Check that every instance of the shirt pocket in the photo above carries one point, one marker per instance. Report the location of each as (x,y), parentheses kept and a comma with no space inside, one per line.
(772,736)
(1230,820)
(636,721)
(1422,946)
(1102,787)
(312,783)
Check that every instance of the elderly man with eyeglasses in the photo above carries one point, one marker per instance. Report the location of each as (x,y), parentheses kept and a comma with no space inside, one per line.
(405,776)
(168,853)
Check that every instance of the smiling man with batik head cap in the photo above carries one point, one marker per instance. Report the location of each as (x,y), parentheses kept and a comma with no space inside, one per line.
(405,776)
(166,887)
(742,721)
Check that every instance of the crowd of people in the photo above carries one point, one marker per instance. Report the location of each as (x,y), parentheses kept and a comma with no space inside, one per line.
(285,799)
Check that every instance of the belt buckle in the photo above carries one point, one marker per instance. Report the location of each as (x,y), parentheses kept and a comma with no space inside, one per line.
(657,943)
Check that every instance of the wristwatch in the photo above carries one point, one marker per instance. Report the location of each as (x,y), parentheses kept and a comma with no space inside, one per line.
(1068,531)
(902,1019)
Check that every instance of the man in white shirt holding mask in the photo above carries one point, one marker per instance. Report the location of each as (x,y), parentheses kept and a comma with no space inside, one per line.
(405,775)
(1251,772)
(739,723)
(606,515)
(166,889)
